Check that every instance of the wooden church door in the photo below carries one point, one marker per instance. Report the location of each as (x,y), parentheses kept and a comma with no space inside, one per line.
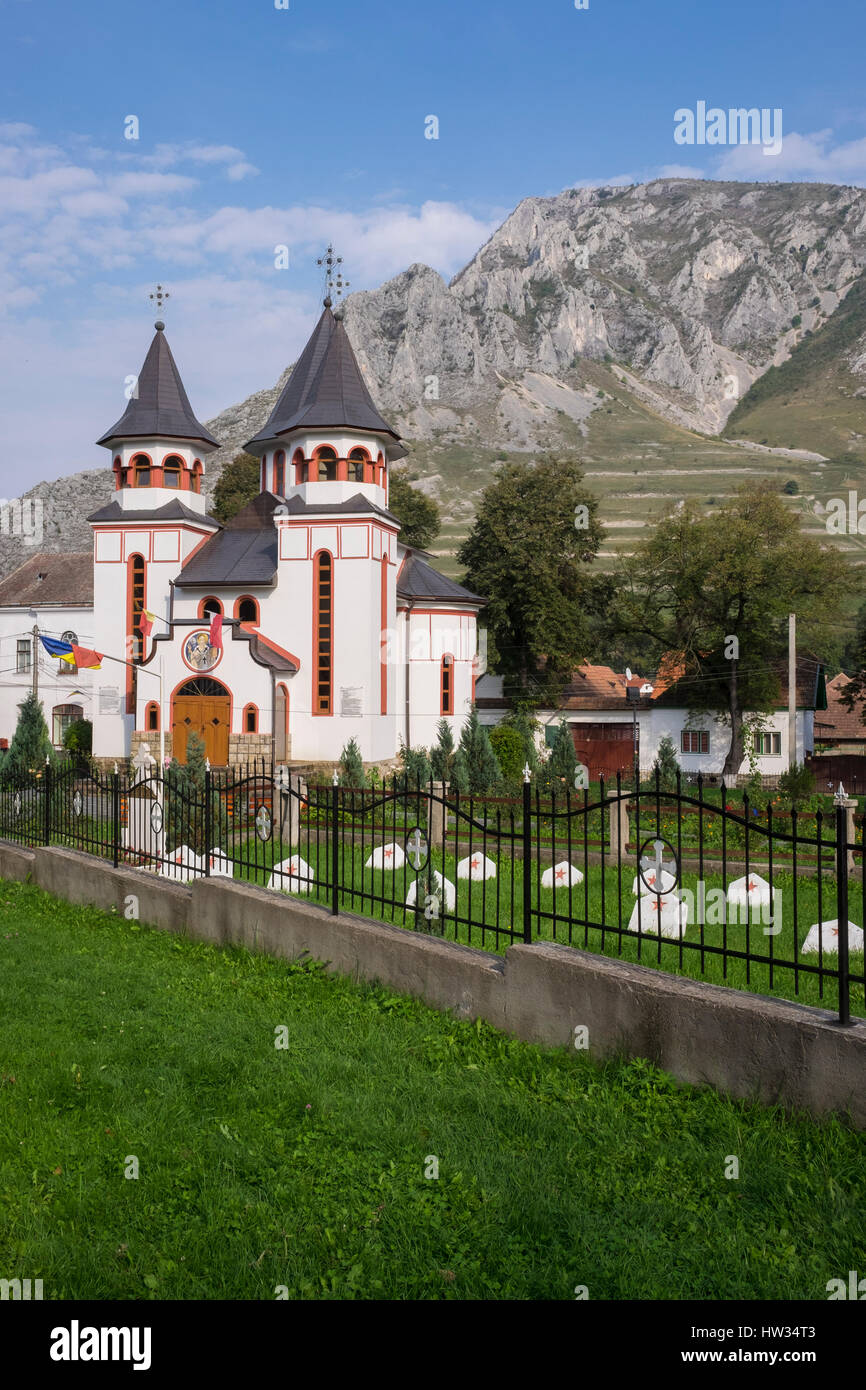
(203,707)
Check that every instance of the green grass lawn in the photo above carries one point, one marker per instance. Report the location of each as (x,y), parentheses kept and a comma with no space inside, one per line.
(305,1167)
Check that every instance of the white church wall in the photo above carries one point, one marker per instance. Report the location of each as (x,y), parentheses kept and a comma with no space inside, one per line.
(433,634)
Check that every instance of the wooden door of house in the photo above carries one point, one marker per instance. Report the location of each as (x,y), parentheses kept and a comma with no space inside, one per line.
(203,707)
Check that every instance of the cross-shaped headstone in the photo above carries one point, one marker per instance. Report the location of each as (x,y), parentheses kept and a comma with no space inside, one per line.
(416,848)
(657,863)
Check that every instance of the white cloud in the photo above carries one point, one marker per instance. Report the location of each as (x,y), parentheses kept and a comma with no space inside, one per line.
(809,157)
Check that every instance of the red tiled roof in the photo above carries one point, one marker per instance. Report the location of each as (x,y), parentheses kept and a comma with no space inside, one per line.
(837,722)
(66,579)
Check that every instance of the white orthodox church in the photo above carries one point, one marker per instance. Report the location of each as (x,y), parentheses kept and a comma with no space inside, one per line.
(331,628)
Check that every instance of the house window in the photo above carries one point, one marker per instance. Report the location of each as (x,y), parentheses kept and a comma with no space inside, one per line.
(279,473)
(326,461)
(247,611)
(446,686)
(140,466)
(251,719)
(323,640)
(151,717)
(68,668)
(695,741)
(357,465)
(23,654)
(768,745)
(171,471)
(208,607)
(62,717)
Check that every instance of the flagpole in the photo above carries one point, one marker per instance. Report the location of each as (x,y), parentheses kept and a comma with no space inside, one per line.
(161,717)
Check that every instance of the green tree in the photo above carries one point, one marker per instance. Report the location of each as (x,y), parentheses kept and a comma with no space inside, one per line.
(716,591)
(352,766)
(418,515)
(529,552)
(561,765)
(239,483)
(508,746)
(79,737)
(476,770)
(186,807)
(442,756)
(30,746)
(666,765)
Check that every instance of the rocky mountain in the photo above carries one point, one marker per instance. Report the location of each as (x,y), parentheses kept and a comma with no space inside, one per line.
(626,324)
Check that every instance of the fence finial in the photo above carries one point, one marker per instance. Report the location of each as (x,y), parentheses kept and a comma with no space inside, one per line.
(840,796)
(116,768)
(526,773)
(335,780)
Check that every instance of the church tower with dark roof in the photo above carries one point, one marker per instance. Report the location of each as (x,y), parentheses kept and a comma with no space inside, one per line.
(155,519)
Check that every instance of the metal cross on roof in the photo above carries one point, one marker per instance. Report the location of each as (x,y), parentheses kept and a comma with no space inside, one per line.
(159,297)
(333,281)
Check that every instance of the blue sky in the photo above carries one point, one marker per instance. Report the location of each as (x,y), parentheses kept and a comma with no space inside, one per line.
(261,126)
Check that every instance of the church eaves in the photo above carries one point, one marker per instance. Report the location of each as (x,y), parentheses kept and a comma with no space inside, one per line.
(325,391)
(161,409)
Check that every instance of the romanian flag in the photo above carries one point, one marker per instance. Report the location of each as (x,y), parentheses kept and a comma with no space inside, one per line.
(86,659)
(55,648)
(145,623)
(215,636)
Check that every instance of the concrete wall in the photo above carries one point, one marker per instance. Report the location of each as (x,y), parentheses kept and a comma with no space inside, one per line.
(746,1045)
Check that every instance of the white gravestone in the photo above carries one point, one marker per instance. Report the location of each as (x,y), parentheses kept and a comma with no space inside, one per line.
(292,876)
(561,875)
(825,936)
(751,893)
(667,915)
(476,867)
(449,890)
(386,857)
(183,864)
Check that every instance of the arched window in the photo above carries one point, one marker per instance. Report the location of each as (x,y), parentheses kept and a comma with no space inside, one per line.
(195,480)
(279,472)
(379,474)
(299,464)
(140,466)
(172,470)
(251,719)
(119,473)
(446,686)
(151,717)
(358,460)
(136,605)
(326,459)
(323,632)
(208,607)
(68,668)
(247,610)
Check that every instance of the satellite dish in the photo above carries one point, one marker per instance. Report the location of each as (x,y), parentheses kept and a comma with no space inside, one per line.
(628,673)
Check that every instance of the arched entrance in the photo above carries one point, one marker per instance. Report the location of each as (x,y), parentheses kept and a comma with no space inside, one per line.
(202,706)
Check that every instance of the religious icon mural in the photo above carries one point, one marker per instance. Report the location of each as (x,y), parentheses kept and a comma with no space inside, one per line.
(198,653)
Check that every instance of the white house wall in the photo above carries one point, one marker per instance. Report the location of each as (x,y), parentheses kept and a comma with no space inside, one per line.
(56,686)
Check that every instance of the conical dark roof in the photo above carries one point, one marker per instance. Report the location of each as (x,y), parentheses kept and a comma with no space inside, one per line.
(325,391)
(162,406)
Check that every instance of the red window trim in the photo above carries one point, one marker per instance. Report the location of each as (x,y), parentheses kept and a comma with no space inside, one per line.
(383,664)
(255,709)
(317,563)
(154,706)
(247,598)
(446,706)
(209,598)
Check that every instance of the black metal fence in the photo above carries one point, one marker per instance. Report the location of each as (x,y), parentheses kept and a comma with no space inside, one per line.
(698,880)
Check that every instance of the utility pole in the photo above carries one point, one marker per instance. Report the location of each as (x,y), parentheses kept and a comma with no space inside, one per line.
(35,659)
(792,689)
